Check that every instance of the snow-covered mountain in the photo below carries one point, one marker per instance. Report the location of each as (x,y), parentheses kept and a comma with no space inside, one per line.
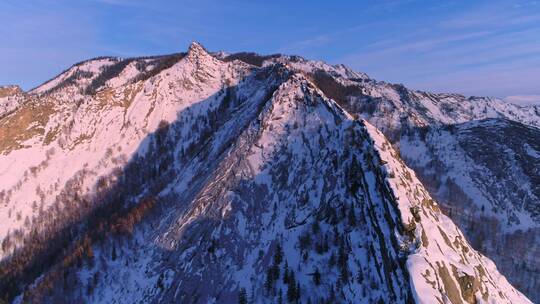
(479,157)
(216,178)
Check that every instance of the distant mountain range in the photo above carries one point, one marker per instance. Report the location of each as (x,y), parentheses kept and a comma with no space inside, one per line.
(204,177)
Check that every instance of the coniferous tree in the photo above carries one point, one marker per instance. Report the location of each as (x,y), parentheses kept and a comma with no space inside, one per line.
(315,227)
(352,216)
(332,260)
(317,277)
(113,253)
(305,256)
(275,272)
(286,273)
(319,247)
(337,237)
(343,210)
(278,256)
(291,290)
(332,296)
(252,294)
(360,277)
(269,282)
(242,296)
(160,282)
(343,264)
(305,241)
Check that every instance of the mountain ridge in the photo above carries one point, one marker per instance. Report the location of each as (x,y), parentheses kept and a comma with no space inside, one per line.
(218,101)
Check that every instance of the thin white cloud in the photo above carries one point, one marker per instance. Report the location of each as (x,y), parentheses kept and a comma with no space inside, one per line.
(492,81)
(489,50)
(494,16)
(119,2)
(424,44)
(524,100)
(300,46)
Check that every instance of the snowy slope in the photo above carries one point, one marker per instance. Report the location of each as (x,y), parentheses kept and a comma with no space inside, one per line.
(210,177)
(11,97)
(89,139)
(484,177)
(76,77)
(444,258)
(487,172)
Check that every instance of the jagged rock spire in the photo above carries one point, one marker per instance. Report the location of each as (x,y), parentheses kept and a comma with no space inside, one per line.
(196,50)
(8,90)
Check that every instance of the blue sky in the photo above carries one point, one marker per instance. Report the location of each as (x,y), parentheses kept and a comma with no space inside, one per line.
(470,47)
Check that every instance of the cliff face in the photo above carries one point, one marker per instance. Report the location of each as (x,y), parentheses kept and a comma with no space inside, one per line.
(216,179)
(485,175)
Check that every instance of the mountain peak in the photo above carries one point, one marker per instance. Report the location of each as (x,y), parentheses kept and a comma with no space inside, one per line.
(196,50)
(9,90)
